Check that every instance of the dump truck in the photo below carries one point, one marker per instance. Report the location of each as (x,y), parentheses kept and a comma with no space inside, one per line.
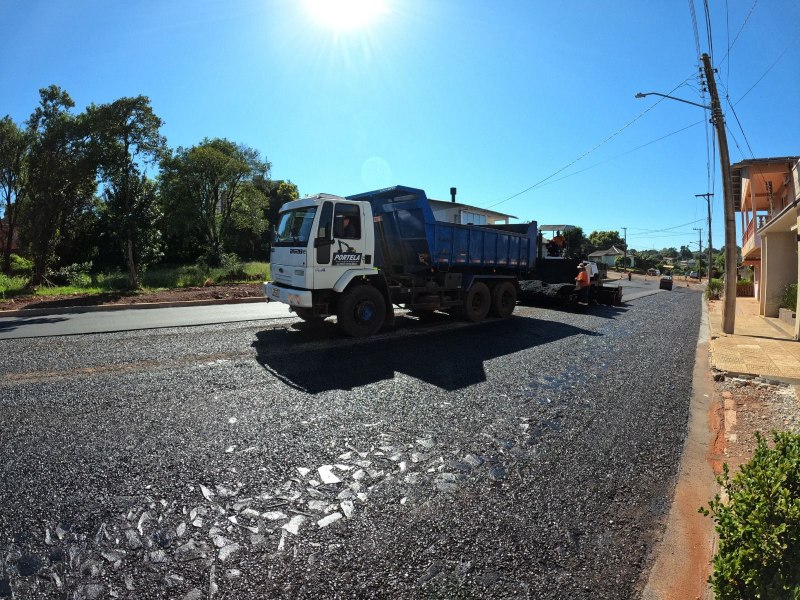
(357,257)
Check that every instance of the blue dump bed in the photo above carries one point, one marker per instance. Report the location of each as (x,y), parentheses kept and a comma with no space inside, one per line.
(408,239)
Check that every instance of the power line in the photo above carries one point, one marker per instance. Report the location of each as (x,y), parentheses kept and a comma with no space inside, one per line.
(694,26)
(780,56)
(708,29)
(615,157)
(588,152)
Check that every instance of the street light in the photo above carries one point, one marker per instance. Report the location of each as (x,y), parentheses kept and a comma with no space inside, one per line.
(717,118)
(641,95)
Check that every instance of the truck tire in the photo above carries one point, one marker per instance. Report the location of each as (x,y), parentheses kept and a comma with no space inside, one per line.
(307,314)
(361,311)
(477,302)
(504,299)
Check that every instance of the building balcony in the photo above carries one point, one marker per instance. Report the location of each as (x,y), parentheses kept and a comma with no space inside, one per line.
(751,240)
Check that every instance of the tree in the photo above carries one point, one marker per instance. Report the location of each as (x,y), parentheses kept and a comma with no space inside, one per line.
(603,240)
(576,242)
(278,193)
(14,149)
(209,188)
(126,140)
(685,253)
(61,176)
(669,252)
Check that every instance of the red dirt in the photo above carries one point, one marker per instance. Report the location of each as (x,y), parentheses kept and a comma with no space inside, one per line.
(242,290)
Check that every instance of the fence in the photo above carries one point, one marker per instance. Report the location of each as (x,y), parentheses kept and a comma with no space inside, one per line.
(745,289)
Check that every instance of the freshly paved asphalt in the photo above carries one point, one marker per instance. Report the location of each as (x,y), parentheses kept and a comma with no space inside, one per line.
(73,323)
(529,457)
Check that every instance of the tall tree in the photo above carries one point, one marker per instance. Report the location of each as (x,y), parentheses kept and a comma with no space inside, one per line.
(278,193)
(14,148)
(603,240)
(61,176)
(576,242)
(209,187)
(126,141)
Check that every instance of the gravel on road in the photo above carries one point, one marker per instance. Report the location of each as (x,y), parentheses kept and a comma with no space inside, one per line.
(529,457)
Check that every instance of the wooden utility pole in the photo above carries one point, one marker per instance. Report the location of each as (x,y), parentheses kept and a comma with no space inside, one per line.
(729,305)
(708,202)
(699,252)
(625,250)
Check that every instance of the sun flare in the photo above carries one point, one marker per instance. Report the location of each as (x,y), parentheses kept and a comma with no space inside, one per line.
(342,15)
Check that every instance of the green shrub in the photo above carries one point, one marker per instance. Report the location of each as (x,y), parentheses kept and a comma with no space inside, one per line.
(759,524)
(714,289)
(115,280)
(12,285)
(21,265)
(75,275)
(789,298)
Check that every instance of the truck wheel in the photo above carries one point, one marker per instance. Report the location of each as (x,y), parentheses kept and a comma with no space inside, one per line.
(361,311)
(504,299)
(307,314)
(477,302)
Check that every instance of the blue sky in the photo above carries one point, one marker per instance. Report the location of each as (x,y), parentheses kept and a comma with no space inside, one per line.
(490,97)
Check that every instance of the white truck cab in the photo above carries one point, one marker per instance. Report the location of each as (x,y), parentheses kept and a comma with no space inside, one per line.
(321,242)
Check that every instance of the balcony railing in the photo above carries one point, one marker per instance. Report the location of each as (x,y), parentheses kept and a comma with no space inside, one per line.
(753,226)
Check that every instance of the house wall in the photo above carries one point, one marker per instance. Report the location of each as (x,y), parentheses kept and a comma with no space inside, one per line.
(453,215)
(779,268)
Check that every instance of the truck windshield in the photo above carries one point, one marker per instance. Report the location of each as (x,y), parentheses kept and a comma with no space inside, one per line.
(294,227)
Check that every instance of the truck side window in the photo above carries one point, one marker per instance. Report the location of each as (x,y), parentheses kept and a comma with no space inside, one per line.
(347,222)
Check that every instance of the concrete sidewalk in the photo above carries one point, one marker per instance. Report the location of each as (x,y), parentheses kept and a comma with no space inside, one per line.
(760,346)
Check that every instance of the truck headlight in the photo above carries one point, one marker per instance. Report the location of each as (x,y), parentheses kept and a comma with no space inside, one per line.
(299,272)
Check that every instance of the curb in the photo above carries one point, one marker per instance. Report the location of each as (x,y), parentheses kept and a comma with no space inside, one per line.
(38,312)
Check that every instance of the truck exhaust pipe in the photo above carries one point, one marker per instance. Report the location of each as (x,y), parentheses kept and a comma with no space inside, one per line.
(453,194)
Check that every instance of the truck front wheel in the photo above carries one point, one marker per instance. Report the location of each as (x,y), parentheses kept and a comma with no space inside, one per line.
(361,311)
(477,302)
(504,299)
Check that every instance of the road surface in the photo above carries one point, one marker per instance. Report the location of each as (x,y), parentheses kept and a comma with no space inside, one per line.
(529,457)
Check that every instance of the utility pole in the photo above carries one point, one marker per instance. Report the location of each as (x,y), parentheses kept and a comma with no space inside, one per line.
(708,202)
(625,257)
(729,305)
(699,251)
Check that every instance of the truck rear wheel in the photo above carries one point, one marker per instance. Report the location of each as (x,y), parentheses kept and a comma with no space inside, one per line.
(477,303)
(504,299)
(361,311)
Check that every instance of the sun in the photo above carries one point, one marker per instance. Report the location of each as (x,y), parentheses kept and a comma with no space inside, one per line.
(341,15)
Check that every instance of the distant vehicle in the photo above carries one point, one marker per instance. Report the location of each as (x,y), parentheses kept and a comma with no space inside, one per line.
(655,272)
(666,282)
(694,275)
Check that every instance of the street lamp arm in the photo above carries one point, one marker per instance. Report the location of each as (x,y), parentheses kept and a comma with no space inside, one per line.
(641,95)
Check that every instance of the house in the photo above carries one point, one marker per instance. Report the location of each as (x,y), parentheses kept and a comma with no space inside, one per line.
(766,194)
(455,212)
(609,257)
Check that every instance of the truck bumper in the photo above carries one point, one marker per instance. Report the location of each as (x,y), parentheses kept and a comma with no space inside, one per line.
(288,296)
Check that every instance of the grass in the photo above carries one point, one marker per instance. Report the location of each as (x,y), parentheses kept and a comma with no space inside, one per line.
(158,278)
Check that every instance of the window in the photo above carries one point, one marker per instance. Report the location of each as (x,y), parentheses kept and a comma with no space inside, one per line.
(472,218)
(294,227)
(347,222)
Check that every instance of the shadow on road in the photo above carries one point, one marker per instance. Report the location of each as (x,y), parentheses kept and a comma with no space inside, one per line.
(13,323)
(315,358)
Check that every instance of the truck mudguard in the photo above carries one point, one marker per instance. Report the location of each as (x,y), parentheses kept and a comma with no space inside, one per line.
(343,281)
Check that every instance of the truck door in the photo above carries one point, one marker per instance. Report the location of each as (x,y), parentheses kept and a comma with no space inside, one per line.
(340,242)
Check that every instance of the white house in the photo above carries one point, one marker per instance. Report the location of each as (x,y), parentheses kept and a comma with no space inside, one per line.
(609,257)
(455,212)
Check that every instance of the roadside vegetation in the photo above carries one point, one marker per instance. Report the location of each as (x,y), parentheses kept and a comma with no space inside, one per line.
(789,298)
(97,201)
(758,523)
(82,279)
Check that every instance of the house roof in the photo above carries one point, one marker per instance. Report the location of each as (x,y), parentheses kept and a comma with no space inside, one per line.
(613,251)
(739,167)
(442,204)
